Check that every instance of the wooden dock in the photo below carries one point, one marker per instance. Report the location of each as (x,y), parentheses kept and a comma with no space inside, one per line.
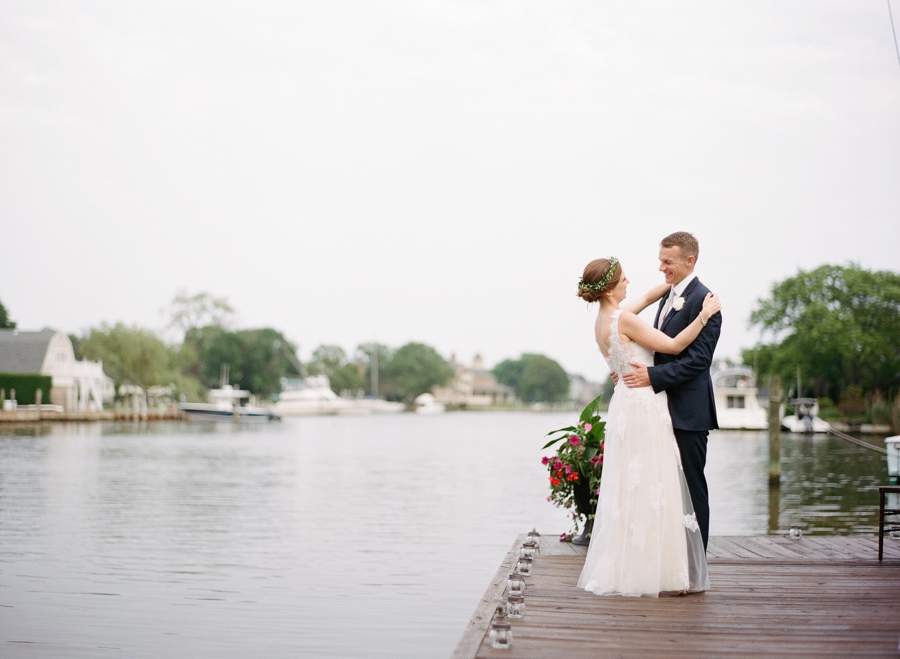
(771,596)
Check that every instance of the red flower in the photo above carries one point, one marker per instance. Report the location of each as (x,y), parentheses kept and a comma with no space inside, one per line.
(554,481)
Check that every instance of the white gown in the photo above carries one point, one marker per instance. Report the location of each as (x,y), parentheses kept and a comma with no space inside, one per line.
(646,540)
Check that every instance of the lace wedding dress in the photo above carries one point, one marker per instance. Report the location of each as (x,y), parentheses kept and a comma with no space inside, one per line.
(646,540)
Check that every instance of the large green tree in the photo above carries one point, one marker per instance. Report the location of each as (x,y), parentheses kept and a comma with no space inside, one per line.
(257,359)
(839,324)
(414,369)
(535,378)
(343,375)
(132,355)
(368,354)
(5,322)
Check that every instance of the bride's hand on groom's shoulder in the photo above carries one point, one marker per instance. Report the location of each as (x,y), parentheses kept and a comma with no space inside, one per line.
(711,306)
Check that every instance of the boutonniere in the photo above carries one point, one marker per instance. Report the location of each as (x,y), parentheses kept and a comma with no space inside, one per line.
(678,303)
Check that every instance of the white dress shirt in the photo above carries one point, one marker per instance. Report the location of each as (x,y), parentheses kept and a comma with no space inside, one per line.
(676,291)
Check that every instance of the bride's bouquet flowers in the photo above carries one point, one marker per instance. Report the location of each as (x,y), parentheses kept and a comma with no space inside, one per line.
(575,470)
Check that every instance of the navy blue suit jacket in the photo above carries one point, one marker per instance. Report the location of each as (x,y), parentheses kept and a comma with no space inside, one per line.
(685,376)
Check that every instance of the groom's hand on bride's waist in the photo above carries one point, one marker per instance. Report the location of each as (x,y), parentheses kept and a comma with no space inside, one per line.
(639,377)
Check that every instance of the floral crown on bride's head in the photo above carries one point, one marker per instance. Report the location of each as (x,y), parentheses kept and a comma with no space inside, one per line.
(604,280)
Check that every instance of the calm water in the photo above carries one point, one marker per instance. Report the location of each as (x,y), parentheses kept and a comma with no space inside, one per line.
(320,537)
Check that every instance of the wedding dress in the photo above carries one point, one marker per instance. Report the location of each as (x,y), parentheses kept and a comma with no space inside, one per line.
(646,540)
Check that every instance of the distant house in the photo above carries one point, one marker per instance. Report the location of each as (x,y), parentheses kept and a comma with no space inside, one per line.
(473,387)
(79,386)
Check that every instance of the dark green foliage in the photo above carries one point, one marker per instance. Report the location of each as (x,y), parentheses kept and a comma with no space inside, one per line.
(332,361)
(257,359)
(839,324)
(5,322)
(414,369)
(26,387)
(535,378)
(365,353)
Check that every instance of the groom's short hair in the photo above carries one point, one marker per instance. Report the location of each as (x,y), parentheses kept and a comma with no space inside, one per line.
(688,244)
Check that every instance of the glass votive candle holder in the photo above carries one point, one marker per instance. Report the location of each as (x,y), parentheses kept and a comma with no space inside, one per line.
(501,635)
(524,566)
(515,606)
(796,531)
(527,550)
(533,536)
(515,584)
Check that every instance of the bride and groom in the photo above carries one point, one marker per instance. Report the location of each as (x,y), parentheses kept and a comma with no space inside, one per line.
(652,521)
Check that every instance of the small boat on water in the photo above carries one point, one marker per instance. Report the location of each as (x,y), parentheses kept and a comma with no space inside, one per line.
(804,419)
(737,406)
(313,395)
(227,404)
(426,404)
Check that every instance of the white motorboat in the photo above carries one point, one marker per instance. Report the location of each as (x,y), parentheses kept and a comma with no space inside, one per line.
(313,395)
(805,419)
(426,404)
(227,404)
(737,406)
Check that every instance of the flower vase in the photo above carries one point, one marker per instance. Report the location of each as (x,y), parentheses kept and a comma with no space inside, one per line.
(584,507)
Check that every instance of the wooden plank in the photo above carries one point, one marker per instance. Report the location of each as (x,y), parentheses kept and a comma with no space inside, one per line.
(484,611)
(785,598)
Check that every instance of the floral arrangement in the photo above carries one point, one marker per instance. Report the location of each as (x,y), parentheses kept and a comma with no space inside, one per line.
(576,468)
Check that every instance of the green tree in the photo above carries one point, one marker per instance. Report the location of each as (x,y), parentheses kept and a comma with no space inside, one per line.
(535,378)
(367,353)
(257,359)
(839,324)
(5,322)
(130,355)
(332,361)
(415,369)
(187,312)
(509,372)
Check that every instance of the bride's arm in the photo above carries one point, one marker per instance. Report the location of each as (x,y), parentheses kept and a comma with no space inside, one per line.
(646,299)
(641,333)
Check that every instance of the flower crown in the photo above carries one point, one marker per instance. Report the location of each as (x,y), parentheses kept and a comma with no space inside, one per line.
(604,280)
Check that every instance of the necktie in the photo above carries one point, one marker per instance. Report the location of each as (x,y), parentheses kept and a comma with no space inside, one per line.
(668,306)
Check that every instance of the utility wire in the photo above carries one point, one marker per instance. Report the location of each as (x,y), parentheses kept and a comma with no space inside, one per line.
(891,14)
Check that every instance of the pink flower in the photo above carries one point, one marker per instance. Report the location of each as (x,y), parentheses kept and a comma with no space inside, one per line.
(557,465)
(595,459)
(573,440)
(587,427)
(580,423)
(598,491)
(568,469)
(545,460)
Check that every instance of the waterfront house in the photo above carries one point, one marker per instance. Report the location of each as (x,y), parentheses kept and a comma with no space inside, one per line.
(473,387)
(77,386)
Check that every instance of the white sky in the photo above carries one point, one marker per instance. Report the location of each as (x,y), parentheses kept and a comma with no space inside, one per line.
(435,171)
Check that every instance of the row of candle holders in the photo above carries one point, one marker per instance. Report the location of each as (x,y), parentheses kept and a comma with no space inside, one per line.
(514,606)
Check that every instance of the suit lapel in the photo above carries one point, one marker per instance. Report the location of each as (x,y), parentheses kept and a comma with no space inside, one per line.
(687,291)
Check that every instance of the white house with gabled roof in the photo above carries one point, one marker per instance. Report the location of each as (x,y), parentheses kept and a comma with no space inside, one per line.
(79,386)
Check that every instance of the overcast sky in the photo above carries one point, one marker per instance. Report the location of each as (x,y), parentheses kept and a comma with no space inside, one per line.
(436,171)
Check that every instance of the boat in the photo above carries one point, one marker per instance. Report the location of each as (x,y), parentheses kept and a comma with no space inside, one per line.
(804,419)
(426,404)
(227,404)
(737,406)
(313,396)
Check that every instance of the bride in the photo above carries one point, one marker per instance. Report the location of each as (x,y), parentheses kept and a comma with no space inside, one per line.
(646,540)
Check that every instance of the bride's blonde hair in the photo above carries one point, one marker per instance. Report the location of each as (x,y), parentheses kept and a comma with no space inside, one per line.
(595,272)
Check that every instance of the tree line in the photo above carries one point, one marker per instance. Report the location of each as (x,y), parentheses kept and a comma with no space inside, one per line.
(839,327)
(258,359)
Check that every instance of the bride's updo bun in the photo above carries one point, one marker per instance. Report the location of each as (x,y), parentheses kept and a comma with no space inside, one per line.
(600,276)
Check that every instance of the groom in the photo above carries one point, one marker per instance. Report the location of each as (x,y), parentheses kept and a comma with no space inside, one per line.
(685,377)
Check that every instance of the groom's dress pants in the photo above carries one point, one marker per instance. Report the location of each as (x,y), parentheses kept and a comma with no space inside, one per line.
(692,444)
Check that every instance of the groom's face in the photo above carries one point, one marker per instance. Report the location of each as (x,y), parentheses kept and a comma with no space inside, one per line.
(674,265)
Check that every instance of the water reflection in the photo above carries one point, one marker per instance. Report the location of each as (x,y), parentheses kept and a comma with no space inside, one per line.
(225,541)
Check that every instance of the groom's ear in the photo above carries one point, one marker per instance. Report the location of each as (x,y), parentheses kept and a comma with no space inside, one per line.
(691,261)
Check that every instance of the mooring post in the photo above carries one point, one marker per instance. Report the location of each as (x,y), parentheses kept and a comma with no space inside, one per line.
(774,431)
